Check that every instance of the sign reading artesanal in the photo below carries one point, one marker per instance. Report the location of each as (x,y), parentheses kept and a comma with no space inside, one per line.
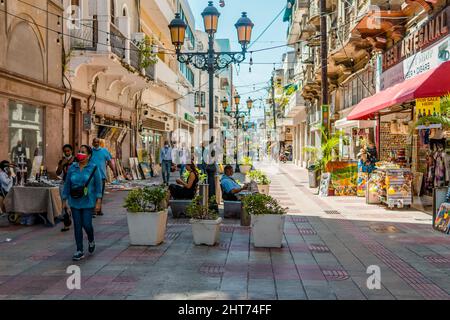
(421,38)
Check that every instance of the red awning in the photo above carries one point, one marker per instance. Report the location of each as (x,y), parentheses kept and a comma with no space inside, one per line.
(433,83)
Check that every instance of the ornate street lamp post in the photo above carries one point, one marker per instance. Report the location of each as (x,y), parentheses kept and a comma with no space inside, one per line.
(238,116)
(211,60)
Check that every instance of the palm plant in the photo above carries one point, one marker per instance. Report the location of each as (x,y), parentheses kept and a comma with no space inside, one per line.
(322,155)
(443,118)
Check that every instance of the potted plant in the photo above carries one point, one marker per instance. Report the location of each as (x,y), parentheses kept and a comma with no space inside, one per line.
(267,220)
(261,180)
(246,165)
(205,221)
(147,216)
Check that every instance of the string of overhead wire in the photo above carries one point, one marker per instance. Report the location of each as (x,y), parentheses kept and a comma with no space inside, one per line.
(72,20)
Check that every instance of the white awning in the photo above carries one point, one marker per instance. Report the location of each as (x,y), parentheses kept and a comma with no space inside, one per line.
(360,124)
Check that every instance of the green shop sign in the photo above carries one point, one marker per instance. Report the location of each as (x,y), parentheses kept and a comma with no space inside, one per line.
(189,118)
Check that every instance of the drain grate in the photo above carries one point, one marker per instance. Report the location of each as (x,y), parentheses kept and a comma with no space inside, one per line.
(318,248)
(307,232)
(385,229)
(227,229)
(172,235)
(438,260)
(299,219)
(335,274)
(211,270)
(332,212)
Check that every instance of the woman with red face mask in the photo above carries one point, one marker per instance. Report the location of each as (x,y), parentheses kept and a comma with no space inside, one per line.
(82,194)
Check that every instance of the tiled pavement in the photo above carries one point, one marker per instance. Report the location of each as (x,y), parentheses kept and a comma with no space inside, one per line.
(328,245)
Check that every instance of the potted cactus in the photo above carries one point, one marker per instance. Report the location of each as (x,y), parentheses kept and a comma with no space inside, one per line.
(205,221)
(246,165)
(261,180)
(147,216)
(267,220)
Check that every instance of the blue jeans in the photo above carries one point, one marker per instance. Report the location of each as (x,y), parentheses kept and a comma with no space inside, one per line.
(166,168)
(182,169)
(82,219)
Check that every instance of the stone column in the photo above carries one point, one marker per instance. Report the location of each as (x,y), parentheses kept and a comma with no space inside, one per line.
(104,20)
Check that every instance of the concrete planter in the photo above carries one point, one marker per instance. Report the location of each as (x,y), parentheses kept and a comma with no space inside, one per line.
(264,189)
(245,169)
(147,228)
(206,232)
(267,230)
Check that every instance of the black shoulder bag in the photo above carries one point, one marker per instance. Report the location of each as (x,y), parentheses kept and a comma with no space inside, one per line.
(80,192)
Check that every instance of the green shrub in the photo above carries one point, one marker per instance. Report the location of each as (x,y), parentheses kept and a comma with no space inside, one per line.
(195,210)
(146,200)
(257,204)
(259,177)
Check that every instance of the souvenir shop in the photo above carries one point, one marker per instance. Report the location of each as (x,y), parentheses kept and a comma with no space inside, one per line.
(412,160)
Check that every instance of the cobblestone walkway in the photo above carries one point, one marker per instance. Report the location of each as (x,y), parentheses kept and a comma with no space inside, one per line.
(328,245)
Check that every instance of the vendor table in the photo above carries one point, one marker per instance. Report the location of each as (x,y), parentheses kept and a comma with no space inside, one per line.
(35,200)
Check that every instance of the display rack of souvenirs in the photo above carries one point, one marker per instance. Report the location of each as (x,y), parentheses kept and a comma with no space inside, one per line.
(442,221)
(393,186)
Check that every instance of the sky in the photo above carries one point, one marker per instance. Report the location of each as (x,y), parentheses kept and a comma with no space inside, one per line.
(261,12)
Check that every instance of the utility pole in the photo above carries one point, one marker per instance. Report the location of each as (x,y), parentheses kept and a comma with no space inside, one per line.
(274,109)
(324,60)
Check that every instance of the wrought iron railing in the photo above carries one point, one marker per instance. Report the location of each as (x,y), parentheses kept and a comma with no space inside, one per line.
(118,41)
(135,56)
(83,34)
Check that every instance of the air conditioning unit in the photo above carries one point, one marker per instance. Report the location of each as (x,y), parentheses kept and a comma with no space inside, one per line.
(138,37)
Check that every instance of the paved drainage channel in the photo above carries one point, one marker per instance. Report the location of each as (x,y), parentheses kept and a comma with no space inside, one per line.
(411,276)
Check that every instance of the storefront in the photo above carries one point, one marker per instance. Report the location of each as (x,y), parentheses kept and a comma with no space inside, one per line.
(31,131)
(412,159)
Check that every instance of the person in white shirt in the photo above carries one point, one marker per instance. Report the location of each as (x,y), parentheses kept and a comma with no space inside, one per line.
(6,182)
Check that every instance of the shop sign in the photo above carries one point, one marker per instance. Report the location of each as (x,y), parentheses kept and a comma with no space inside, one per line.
(417,64)
(189,118)
(325,115)
(87,121)
(428,107)
(426,35)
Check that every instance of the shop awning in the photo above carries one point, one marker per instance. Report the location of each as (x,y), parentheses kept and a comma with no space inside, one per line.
(360,124)
(433,83)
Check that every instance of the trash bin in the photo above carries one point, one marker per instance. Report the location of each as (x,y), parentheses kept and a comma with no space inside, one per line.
(313,175)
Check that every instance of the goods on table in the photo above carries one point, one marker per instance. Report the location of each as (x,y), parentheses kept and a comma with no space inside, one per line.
(39,184)
(394,186)
(344,176)
(384,165)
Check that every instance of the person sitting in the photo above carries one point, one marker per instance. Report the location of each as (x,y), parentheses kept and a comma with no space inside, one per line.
(229,186)
(6,182)
(185,190)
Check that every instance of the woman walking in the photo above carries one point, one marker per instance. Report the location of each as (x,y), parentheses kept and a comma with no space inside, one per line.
(63,167)
(82,194)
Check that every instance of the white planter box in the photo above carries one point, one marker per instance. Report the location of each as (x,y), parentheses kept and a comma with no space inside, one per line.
(245,169)
(148,228)
(267,230)
(264,189)
(206,232)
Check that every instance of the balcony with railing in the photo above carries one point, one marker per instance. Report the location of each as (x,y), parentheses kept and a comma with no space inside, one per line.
(135,56)
(84,34)
(118,42)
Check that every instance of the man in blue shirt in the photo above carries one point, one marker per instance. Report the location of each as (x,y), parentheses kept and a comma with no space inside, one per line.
(229,186)
(165,157)
(102,158)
